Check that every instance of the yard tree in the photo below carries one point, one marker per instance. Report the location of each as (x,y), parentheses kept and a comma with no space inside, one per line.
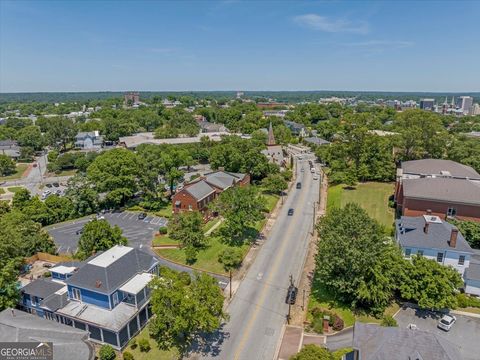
(9,271)
(187,228)
(7,165)
(82,194)
(59,208)
(355,260)
(107,353)
(230,258)
(241,207)
(275,183)
(59,132)
(429,284)
(184,309)
(313,352)
(31,136)
(470,230)
(98,235)
(21,198)
(4,207)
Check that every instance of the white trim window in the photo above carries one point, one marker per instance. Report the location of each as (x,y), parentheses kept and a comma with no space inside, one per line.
(440,257)
(408,252)
(76,294)
(115,299)
(461,260)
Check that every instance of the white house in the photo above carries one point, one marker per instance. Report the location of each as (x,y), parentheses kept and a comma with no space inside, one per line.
(472,279)
(89,140)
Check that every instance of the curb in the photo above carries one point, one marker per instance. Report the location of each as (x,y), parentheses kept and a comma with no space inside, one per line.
(191,267)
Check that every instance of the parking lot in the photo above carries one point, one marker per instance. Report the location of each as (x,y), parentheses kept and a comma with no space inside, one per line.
(138,232)
(465,333)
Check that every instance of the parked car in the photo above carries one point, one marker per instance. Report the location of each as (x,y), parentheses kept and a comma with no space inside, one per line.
(48,185)
(100,217)
(79,231)
(291,295)
(315,177)
(446,322)
(312,170)
(299,185)
(290,212)
(302,170)
(56,184)
(142,216)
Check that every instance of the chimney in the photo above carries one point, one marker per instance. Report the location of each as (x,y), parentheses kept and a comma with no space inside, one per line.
(453,238)
(425,228)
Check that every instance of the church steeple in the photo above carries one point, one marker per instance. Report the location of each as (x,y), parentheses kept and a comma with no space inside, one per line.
(271,137)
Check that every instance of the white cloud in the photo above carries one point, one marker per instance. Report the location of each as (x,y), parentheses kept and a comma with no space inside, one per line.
(323,23)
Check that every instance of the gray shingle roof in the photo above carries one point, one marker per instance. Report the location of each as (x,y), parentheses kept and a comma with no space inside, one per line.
(437,237)
(42,287)
(223,179)
(199,189)
(436,166)
(443,189)
(375,342)
(68,342)
(473,271)
(55,301)
(111,277)
(316,141)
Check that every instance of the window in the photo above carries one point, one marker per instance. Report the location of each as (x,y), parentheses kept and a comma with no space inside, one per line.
(190,207)
(461,260)
(451,212)
(34,301)
(76,294)
(408,252)
(439,257)
(115,298)
(420,252)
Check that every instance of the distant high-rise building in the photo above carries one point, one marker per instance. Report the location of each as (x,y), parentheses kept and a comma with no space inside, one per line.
(131,98)
(427,104)
(475,109)
(464,103)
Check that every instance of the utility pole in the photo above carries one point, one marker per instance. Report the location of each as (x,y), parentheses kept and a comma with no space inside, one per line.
(313,220)
(230,283)
(303,301)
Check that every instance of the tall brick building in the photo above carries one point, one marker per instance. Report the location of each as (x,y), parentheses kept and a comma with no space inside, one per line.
(441,187)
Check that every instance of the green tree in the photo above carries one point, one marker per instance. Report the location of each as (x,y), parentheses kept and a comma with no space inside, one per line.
(9,294)
(187,228)
(83,195)
(59,208)
(470,230)
(98,235)
(59,132)
(21,199)
(7,165)
(275,183)
(429,284)
(184,308)
(31,136)
(230,258)
(107,353)
(313,352)
(389,321)
(241,207)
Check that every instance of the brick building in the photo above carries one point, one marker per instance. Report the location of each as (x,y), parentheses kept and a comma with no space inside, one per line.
(196,195)
(442,187)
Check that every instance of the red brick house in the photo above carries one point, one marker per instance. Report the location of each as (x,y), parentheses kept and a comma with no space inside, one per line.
(443,187)
(196,195)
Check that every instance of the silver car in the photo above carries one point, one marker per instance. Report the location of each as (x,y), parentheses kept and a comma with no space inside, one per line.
(446,322)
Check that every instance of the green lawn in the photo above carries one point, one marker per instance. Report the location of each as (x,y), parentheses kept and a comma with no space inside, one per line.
(371,196)
(165,212)
(320,297)
(163,240)
(64,172)
(155,353)
(211,223)
(2,191)
(14,189)
(17,174)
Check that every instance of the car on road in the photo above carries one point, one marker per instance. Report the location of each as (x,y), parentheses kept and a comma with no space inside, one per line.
(302,170)
(142,216)
(100,217)
(48,185)
(290,212)
(312,170)
(56,184)
(315,177)
(291,295)
(299,185)
(79,231)
(446,322)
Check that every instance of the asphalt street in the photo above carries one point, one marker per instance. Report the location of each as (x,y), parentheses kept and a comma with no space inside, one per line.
(258,309)
(138,232)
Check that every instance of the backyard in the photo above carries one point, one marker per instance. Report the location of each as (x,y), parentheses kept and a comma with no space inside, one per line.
(371,196)
(20,169)
(154,353)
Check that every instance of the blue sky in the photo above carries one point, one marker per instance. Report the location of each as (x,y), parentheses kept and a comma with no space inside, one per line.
(239,45)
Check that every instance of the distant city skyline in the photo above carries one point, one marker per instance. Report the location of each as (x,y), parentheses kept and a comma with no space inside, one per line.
(72,46)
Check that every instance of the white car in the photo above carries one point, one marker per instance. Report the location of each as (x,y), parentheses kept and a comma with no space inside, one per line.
(315,177)
(446,322)
(312,170)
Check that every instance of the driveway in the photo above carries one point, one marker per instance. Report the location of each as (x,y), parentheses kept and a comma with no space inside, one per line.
(465,333)
(138,232)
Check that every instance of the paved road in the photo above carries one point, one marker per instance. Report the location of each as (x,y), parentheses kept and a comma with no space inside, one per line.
(258,309)
(340,340)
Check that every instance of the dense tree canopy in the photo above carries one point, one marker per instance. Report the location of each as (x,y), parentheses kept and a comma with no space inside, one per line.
(98,235)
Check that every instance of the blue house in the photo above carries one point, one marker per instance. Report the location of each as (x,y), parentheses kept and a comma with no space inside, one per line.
(107,295)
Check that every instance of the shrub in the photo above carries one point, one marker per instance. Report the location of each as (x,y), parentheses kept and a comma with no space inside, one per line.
(144,345)
(163,230)
(128,356)
(389,321)
(107,353)
(338,323)
(464,301)
(133,343)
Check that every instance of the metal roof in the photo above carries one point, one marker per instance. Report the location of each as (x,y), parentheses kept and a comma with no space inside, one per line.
(409,231)
(42,287)
(199,189)
(443,189)
(473,271)
(436,166)
(137,283)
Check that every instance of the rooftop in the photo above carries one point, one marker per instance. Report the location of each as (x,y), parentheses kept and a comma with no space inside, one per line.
(68,342)
(410,233)
(110,256)
(199,190)
(62,269)
(137,283)
(375,342)
(473,271)
(316,140)
(223,179)
(148,138)
(437,166)
(443,189)
(42,287)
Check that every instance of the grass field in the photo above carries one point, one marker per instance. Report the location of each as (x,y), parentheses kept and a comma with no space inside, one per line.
(371,196)
(163,240)
(14,189)
(2,191)
(64,173)
(155,353)
(17,174)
